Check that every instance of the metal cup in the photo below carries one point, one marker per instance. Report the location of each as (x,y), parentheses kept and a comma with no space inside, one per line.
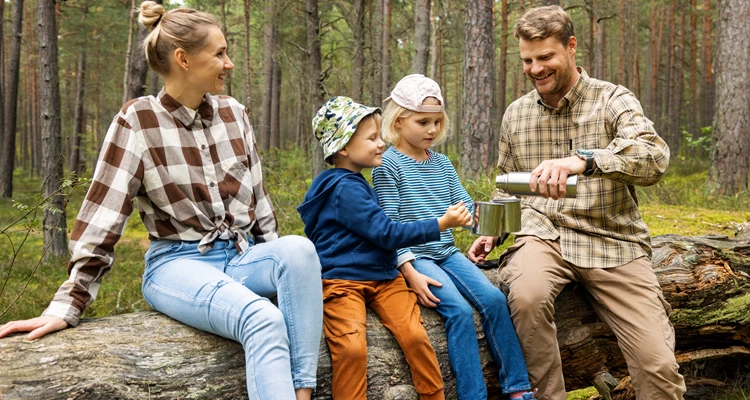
(496,217)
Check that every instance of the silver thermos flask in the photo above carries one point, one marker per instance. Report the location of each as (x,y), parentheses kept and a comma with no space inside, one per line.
(517,184)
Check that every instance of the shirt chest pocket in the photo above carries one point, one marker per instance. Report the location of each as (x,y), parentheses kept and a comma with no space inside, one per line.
(237,176)
(592,132)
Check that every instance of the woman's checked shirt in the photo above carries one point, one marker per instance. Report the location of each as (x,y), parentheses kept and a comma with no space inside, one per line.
(196,178)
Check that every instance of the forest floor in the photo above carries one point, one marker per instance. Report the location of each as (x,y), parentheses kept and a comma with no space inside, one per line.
(678,204)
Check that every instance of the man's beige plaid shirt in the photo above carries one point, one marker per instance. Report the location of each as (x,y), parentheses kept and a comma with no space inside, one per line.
(601,227)
(195,178)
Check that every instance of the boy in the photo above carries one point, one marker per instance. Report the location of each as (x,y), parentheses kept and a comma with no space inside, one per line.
(356,242)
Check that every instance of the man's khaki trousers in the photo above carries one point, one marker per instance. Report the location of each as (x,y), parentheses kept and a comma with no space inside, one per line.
(627,298)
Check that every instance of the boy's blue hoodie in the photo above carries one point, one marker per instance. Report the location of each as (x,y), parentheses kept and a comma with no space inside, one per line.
(353,236)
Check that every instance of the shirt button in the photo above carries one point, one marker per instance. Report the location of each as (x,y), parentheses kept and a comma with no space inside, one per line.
(203,147)
(212,184)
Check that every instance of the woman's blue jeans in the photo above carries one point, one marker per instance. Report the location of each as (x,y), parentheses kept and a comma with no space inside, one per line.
(227,293)
(462,281)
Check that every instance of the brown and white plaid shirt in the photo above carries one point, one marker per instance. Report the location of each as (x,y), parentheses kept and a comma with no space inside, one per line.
(601,227)
(196,178)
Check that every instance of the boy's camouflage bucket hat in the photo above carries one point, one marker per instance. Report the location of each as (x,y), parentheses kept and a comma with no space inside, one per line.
(336,121)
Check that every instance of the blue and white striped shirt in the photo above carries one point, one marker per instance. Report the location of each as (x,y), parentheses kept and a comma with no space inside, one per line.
(411,190)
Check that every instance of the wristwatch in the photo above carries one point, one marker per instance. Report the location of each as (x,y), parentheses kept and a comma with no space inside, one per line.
(588,156)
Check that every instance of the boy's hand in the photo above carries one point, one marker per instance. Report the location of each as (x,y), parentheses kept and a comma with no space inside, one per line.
(456,215)
(420,284)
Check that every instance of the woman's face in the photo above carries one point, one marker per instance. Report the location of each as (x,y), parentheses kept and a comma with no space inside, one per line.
(207,68)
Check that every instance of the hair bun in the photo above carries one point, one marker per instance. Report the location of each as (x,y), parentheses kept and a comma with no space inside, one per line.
(151,13)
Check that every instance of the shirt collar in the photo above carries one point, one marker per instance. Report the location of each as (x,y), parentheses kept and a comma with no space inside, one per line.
(574,94)
(179,111)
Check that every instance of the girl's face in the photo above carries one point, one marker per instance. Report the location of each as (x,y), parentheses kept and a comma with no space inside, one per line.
(418,131)
(208,67)
(365,148)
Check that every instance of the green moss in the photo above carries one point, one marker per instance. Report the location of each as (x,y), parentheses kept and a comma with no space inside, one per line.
(735,310)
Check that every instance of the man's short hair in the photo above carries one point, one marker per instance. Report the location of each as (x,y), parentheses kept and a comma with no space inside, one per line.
(544,22)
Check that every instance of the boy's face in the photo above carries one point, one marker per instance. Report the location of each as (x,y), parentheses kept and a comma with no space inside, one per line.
(365,148)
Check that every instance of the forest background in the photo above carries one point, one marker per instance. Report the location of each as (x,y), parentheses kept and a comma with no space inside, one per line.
(68,66)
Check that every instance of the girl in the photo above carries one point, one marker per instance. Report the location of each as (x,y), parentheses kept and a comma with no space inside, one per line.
(190,160)
(415,183)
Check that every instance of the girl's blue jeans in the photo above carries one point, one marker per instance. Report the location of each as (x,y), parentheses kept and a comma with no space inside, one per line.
(463,281)
(227,293)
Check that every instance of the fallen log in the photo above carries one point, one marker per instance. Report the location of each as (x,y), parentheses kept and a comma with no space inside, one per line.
(147,355)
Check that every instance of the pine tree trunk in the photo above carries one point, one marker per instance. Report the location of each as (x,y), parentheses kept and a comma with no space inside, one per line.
(386,61)
(248,85)
(10,105)
(77,162)
(358,65)
(478,97)
(137,68)
(268,55)
(708,69)
(421,36)
(731,142)
(276,96)
(317,90)
(55,240)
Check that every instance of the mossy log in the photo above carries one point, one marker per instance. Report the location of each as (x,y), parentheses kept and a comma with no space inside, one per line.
(149,356)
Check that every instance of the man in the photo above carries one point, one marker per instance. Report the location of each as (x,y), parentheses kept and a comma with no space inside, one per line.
(573,124)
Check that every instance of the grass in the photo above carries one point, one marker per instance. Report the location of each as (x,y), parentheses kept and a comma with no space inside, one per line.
(677,205)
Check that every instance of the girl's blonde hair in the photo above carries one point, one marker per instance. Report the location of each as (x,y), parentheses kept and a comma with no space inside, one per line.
(181,28)
(392,112)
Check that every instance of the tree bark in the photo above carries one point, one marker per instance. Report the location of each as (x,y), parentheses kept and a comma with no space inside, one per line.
(248,85)
(2,75)
(55,239)
(377,74)
(478,98)
(317,89)
(268,54)
(386,61)
(77,160)
(11,103)
(138,67)
(129,49)
(148,355)
(708,69)
(727,174)
(358,64)
(421,36)
(276,96)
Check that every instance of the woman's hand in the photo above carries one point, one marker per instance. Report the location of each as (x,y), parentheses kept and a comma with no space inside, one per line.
(37,327)
(420,284)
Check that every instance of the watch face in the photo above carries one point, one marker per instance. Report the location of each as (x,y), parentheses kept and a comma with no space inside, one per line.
(585,153)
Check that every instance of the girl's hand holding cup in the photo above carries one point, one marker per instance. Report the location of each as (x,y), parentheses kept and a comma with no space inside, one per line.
(456,215)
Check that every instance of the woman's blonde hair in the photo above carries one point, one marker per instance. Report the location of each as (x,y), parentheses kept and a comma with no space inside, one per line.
(181,28)
(392,112)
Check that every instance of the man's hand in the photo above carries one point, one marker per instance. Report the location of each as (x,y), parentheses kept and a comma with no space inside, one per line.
(481,248)
(550,177)
(38,327)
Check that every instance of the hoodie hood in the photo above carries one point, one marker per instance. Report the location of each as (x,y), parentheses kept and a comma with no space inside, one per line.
(317,196)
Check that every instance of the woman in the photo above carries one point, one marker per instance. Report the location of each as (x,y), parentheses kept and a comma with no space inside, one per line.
(190,160)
